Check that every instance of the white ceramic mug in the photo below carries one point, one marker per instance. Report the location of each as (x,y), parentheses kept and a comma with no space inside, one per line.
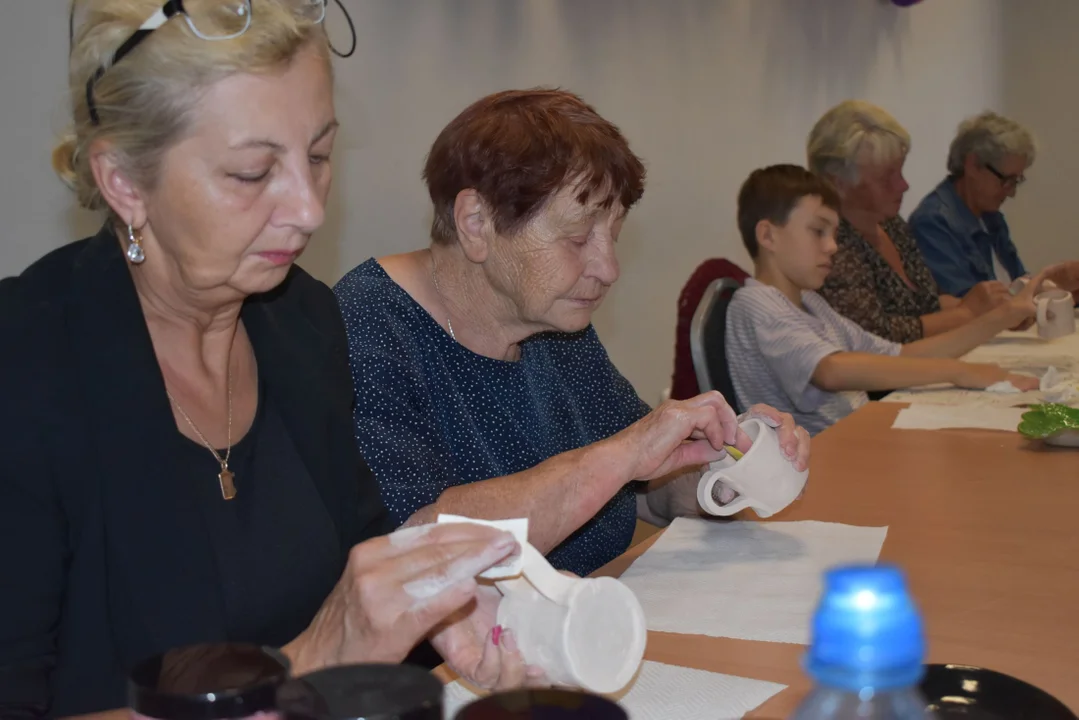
(764,479)
(584,632)
(1060,305)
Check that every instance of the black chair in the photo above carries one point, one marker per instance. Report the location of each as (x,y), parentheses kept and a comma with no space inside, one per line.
(708,340)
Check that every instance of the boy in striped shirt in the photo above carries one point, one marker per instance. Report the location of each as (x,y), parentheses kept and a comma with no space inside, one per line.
(786,347)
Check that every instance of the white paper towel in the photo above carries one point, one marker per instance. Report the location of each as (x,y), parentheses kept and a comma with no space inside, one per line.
(663,691)
(1005,387)
(1058,387)
(1056,363)
(938,417)
(517,526)
(748,580)
(1054,385)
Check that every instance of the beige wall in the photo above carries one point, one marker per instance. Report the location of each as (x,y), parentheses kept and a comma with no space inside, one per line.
(706,90)
(1041,47)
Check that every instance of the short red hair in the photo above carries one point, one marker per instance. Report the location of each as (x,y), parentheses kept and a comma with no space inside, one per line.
(518,148)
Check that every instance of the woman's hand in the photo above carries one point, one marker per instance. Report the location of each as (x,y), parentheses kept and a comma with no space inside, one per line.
(1022,307)
(693,432)
(483,654)
(394,590)
(677,434)
(794,440)
(984,296)
(1065,275)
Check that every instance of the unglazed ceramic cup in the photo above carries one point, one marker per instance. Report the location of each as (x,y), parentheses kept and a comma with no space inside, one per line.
(763,478)
(588,633)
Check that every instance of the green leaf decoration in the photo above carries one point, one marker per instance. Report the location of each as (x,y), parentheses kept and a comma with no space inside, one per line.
(1042,421)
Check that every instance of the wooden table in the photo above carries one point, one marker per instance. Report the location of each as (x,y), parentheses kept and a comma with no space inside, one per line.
(983,523)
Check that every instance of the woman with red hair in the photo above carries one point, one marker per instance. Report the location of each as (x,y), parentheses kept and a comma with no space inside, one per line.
(482,388)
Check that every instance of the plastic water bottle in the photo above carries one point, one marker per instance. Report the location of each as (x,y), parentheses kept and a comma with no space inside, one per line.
(868,649)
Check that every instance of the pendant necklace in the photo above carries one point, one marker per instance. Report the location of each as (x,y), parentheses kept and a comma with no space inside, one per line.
(225,478)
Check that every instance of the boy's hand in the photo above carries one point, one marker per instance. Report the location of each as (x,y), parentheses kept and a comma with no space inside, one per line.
(979,376)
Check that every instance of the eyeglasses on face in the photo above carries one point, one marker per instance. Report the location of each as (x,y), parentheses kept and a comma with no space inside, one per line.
(1006,180)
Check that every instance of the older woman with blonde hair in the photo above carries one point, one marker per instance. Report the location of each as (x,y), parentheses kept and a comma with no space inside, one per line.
(879,278)
(482,386)
(179,464)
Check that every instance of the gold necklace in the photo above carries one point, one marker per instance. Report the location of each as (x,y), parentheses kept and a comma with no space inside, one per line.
(225,478)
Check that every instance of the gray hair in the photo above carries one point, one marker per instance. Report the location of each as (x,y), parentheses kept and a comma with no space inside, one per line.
(854,131)
(990,137)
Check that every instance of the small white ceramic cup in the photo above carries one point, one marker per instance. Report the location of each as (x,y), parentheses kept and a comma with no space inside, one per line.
(764,479)
(583,632)
(1056,314)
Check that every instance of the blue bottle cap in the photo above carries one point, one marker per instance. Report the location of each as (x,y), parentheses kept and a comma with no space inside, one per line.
(867,633)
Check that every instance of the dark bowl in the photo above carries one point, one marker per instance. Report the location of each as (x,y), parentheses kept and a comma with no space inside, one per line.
(207,681)
(545,704)
(961,691)
(363,692)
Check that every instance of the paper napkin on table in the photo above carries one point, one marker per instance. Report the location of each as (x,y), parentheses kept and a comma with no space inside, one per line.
(939,417)
(1057,388)
(662,692)
(1004,386)
(1054,386)
(748,580)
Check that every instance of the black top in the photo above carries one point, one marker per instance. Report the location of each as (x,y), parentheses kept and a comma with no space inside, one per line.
(115,543)
(274,543)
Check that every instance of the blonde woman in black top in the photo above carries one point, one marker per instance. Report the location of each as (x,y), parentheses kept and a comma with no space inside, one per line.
(179,464)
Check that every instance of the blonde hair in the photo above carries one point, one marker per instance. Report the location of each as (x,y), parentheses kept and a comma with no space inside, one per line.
(990,137)
(854,131)
(144,101)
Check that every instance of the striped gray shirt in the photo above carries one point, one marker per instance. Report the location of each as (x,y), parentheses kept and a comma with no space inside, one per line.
(773,348)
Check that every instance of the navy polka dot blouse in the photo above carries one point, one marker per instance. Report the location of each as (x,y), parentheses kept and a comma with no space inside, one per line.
(431,414)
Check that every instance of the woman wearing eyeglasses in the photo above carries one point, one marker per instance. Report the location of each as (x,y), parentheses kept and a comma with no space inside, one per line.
(179,464)
(959,227)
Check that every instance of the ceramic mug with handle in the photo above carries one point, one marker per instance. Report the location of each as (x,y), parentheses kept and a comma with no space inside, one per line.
(588,633)
(1056,314)
(764,479)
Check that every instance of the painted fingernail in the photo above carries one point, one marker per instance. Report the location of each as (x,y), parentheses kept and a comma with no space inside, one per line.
(496,633)
(509,641)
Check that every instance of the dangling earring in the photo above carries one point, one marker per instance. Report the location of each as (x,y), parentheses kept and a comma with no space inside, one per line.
(134,248)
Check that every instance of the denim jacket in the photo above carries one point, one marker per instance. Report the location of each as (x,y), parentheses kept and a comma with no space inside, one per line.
(959,247)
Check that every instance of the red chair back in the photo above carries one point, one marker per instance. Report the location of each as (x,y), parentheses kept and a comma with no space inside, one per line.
(684,380)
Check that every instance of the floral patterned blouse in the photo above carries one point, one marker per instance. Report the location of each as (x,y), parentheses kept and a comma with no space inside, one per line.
(865,288)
